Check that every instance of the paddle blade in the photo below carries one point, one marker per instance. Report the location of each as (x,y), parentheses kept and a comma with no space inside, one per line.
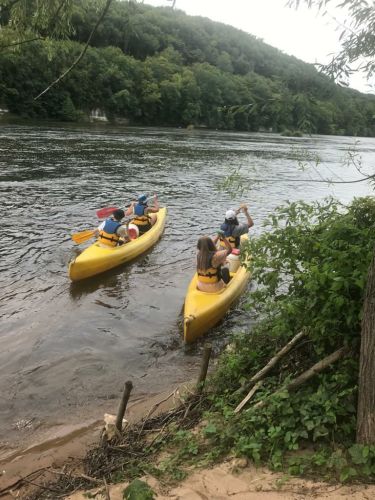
(83,236)
(105,212)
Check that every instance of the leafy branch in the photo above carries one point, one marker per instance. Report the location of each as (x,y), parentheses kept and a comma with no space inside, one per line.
(80,56)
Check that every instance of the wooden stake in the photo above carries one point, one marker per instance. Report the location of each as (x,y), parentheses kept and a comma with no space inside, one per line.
(124,401)
(204,367)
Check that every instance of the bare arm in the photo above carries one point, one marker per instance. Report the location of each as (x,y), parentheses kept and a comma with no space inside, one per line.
(219,258)
(227,245)
(155,208)
(130,209)
(220,235)
(245,210)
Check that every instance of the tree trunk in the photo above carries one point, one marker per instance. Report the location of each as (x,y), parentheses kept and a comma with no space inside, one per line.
(366,383)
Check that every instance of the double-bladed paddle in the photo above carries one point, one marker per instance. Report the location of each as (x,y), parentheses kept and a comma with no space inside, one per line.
(89,233)
(105,212)
(83,236)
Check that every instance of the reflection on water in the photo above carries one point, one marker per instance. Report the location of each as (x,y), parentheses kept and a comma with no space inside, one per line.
(64,347)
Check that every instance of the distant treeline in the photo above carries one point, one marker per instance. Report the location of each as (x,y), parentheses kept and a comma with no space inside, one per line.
(158,66)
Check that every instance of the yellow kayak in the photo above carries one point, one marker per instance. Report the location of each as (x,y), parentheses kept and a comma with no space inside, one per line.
(203,310)
(96,259)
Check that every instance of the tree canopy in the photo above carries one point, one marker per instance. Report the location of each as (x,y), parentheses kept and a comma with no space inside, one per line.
(158,66)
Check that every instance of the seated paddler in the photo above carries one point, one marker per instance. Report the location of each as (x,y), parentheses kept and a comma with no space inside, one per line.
(111,232)
(212,277)
(141,211)
(232,228)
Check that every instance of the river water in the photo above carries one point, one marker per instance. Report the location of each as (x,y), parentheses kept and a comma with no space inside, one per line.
(66,349)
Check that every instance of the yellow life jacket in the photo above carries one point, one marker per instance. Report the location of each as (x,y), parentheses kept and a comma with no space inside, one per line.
(140,218)
(108,239)
(108,235)
(233,241)
(210,275)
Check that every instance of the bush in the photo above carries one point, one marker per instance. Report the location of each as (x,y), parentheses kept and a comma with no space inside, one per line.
(310,266)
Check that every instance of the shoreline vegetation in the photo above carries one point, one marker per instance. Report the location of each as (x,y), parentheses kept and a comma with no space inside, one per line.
(7,118)
(154,66)
(283,396)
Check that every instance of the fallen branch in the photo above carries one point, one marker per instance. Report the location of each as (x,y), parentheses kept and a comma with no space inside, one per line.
(249,396)
(317,368)
(263,372)
(266,369)
(106,492)
(155,407)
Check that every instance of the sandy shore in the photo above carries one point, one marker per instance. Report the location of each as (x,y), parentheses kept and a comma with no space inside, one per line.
(228,480)
(234,478)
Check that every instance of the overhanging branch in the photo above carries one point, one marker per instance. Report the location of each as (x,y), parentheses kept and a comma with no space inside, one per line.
(83,52)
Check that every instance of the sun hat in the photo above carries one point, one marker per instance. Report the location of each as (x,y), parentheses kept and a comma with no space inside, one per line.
(230,214)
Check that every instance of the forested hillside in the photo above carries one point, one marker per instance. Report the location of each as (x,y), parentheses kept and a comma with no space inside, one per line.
(158,66)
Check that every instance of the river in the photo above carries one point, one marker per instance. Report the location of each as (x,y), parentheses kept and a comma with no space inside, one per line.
(66,349)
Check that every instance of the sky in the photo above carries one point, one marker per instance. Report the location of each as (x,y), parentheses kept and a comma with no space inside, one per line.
(302,33)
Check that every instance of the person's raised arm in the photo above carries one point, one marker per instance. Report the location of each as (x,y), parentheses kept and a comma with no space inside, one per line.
(155,208)
(221,235)
(245,210)
(129,211)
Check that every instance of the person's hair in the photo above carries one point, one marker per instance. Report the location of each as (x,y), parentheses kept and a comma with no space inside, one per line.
(232,222)
(118,214)
(206,251)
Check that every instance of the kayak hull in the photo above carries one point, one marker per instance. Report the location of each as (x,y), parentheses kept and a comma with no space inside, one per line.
(204,310)
(96,259)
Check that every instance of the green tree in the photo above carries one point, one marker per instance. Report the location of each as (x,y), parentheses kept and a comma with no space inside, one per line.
(358,42)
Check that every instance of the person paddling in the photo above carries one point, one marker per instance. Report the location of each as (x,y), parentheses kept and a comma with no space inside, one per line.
(231,227)
(211,276)
(111,230)
(140,211)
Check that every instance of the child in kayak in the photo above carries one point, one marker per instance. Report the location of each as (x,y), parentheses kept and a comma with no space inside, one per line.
(110,231)
(140,211)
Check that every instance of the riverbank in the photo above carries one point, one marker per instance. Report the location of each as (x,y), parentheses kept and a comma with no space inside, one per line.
(67,446)
(236,478)
(239,481)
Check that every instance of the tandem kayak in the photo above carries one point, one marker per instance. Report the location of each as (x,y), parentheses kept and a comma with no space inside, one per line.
(96,259)
(203,310)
